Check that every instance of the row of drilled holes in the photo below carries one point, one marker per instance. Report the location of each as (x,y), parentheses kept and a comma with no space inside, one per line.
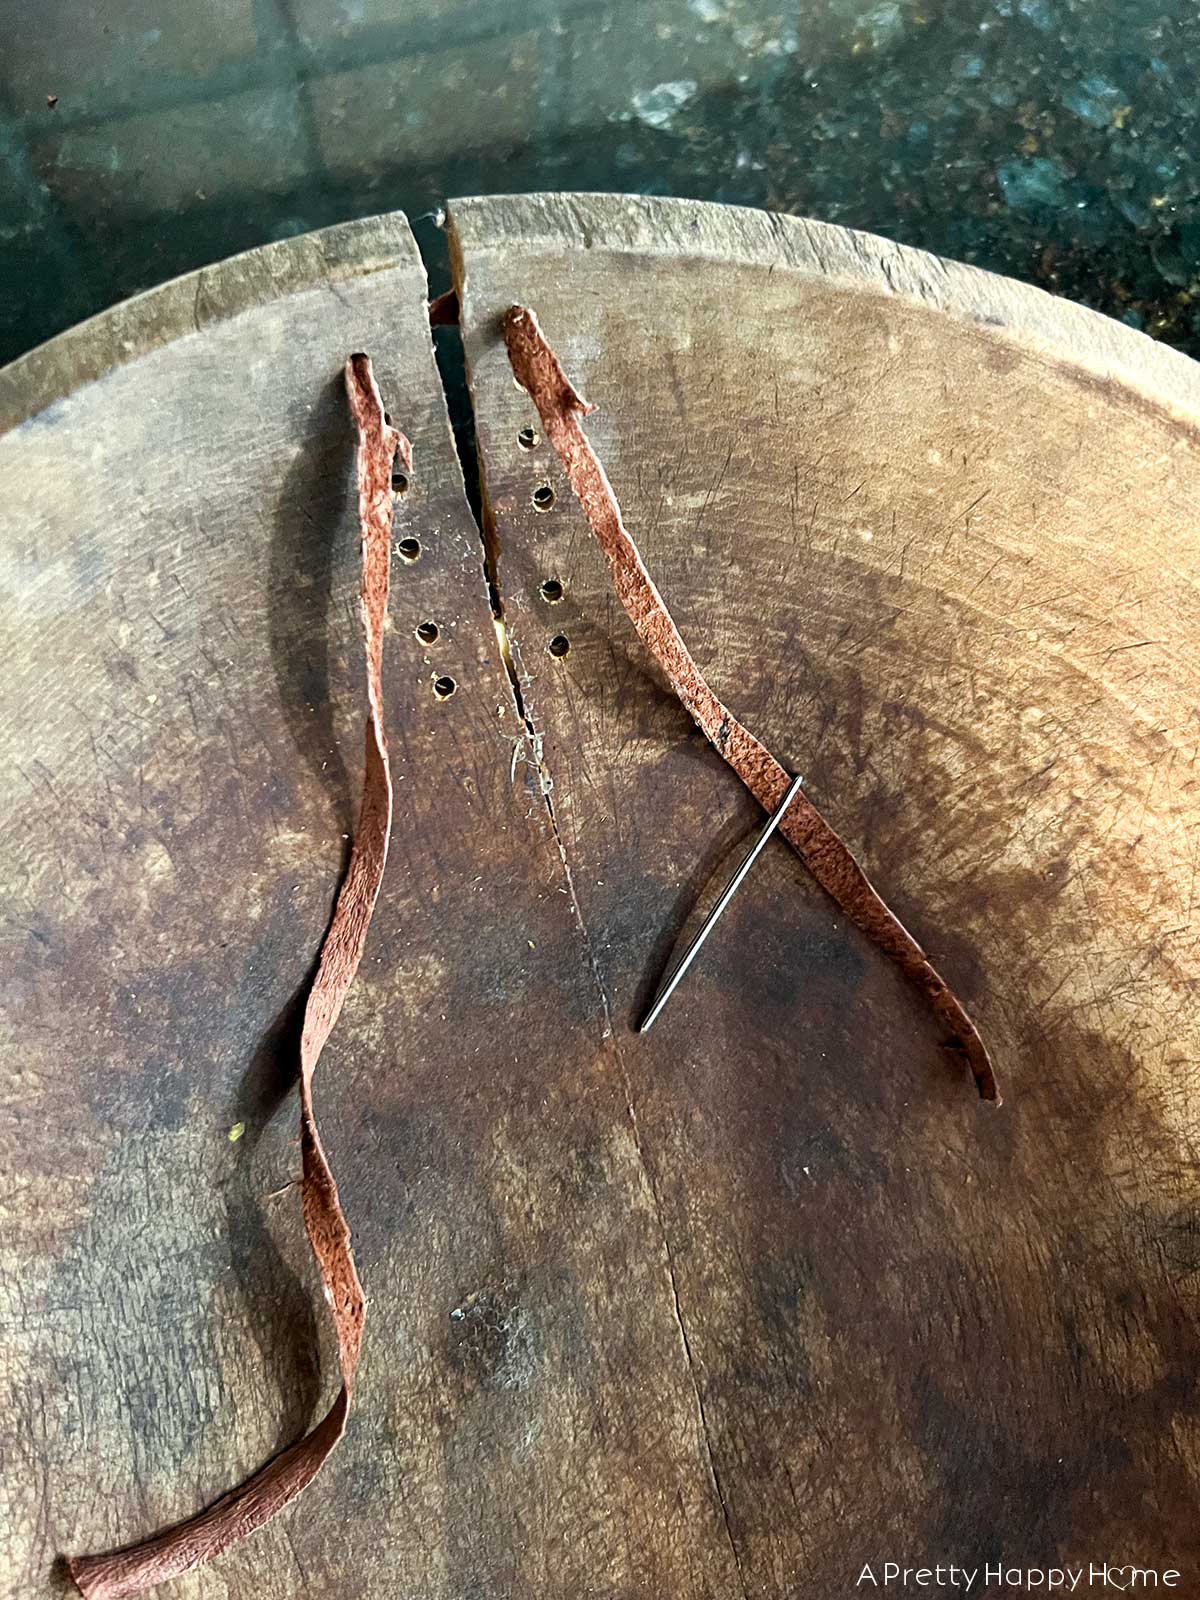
(409,550)
(551,590)
(543,495)
(543,499)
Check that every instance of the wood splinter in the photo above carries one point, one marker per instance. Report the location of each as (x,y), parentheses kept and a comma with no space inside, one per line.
(538,370)
(190,1544)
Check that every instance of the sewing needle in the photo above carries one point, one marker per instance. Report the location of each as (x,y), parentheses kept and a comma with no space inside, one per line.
(731,888)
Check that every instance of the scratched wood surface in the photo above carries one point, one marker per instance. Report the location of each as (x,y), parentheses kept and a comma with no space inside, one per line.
(731,1309)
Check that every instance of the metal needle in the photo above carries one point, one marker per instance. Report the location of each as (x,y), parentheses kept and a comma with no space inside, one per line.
(731,888)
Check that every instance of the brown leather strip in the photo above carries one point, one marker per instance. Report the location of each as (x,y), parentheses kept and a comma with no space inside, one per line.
(189,1544)
(538,370)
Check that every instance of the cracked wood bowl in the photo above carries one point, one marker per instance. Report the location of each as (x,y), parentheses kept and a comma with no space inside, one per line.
(735,1308)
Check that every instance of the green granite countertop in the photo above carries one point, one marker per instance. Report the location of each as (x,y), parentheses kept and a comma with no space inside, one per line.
(1055,140)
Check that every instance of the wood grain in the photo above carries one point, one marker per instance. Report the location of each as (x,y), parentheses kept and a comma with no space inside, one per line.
(733,1308)
(179,780)
(936,536)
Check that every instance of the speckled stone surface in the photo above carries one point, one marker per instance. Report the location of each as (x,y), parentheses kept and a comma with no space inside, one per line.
(1055,140)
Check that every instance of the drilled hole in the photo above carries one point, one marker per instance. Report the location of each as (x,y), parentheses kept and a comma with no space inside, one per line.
(560,645)
(543,497)
(529,438)
(443,688)
(552,591)
(409,549)
(427,632)
(399,482)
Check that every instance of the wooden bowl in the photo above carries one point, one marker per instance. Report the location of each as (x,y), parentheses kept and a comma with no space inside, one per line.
(735,1308)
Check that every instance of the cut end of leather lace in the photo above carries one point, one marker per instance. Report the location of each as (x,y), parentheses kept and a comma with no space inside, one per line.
(538,371)
(189,1544)
(542,372)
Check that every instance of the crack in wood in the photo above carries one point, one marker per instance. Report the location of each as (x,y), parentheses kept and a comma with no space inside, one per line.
(445,313)
(452,369)
(539,372)
(677,1311)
